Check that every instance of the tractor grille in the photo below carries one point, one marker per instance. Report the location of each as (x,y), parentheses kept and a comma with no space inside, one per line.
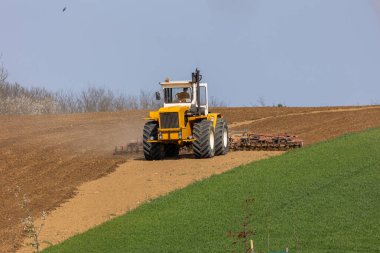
(169,120)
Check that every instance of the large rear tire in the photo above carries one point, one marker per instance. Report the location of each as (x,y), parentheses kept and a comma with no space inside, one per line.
(221,137)
(171,150)
(152,150)
(203,146)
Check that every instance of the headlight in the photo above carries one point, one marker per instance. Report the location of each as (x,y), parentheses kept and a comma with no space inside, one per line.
(180,135)
(159,135)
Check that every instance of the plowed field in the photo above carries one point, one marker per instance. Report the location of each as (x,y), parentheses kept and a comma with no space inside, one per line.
(49,157)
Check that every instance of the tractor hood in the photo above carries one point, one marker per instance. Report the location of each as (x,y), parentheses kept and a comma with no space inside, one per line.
(178,109)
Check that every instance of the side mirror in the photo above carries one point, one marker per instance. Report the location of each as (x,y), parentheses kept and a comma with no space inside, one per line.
(158,95)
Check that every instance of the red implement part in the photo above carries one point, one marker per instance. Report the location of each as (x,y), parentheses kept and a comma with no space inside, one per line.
(254,141)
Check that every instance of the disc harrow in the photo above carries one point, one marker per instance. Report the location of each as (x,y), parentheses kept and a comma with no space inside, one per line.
(131,147)
(256,141)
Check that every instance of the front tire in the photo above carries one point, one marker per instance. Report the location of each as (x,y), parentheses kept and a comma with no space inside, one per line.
(221,137)
(204,144)
(152,150)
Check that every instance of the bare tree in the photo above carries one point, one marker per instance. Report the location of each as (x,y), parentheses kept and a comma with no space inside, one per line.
(261,101)
(145,99)
(215,102)
(106,98)
(16,99)
(132,103)
(125,102)
(96,99)
(3,74)
(68,102)
(148,101)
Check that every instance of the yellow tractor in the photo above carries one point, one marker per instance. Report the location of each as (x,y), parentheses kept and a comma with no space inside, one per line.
(184,120)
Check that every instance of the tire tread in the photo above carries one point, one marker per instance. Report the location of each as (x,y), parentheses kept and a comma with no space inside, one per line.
(152,151)
(201,146)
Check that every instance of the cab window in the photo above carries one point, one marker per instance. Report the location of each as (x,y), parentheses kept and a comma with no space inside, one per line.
(178,95)
(203,95)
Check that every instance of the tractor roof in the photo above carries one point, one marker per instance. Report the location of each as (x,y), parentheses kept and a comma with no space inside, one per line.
(168,82)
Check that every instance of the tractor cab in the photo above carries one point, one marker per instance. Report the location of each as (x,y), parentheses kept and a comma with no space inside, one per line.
(185,93)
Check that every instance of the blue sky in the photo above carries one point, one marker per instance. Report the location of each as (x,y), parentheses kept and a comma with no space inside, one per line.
(296,52)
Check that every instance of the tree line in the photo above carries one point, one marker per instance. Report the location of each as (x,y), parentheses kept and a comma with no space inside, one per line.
(16,99)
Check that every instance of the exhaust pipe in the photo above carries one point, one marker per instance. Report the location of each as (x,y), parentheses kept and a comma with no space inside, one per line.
(196,77)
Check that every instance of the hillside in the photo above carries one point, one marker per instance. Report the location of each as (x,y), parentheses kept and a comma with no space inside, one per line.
(50,156)
(324,198)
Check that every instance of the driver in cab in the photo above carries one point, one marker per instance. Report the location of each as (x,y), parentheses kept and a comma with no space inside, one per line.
(183,96)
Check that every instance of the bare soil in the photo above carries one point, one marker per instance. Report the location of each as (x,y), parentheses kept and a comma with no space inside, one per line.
(49,157)
(318,125)
(244,114)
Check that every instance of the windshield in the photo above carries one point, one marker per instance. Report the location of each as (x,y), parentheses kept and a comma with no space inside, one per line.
(178,95)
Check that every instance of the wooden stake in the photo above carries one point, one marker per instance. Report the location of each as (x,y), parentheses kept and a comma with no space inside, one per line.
(252,248)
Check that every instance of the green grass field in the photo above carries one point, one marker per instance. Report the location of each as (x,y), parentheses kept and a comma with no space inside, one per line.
(323,198)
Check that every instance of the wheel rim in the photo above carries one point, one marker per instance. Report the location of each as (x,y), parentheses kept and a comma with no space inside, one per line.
(225,138)
(212,140)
